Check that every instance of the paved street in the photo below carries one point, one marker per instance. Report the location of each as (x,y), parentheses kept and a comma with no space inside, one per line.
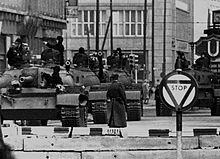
(197,118)
(192,119)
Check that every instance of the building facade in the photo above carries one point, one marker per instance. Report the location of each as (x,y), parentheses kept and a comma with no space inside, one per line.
(128,30)
(31,20)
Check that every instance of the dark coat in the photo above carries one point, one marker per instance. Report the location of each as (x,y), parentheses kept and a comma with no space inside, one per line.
(116,105)
(81,59)
(14,56)
(59,47)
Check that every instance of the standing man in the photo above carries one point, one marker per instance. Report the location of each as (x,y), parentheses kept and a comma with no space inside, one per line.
(116,104)
(59,47)
(146,91)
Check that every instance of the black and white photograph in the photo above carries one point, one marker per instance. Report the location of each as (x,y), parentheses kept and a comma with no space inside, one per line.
(110,79)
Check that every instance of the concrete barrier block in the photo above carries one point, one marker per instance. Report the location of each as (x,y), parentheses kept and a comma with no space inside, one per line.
(161,154)
(9,131)
(15,142)
(47,155)
(209,141)
(102,143)
(149,154)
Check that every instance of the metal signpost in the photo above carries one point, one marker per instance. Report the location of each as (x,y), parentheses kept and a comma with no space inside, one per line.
(178,91)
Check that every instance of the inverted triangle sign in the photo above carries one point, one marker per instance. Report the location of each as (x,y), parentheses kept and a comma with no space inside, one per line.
(178,91)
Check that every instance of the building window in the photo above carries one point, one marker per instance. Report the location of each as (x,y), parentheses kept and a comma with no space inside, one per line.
(125,23)
(89,22)
(118,23)
(140,23)
(103,20)
(133,23)
(86,22)
(73,27)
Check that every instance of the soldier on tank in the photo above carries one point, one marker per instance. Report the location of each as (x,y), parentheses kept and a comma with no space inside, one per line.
(59,47)
(80,59)
(15,54)
(181,61)
(203,62)
(52,80)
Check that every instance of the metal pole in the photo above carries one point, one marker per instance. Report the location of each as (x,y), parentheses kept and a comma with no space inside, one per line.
(111,39)
(88,41)
(145,56)
(97,25)
(164,40)
(179,134)
(152,45)
(106,33)
(66,44)
(1,135)
(135,74)
(97,41)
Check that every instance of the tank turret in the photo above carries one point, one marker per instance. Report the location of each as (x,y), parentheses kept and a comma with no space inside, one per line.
(82,74)
(8,76)
(5,80)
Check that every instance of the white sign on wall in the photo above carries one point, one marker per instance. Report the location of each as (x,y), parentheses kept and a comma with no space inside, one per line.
(182,5)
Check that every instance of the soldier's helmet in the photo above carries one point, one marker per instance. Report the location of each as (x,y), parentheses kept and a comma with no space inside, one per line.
(60,38)
(81,50)
(18,41)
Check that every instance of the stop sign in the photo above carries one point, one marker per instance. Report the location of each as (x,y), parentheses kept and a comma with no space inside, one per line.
(178,90)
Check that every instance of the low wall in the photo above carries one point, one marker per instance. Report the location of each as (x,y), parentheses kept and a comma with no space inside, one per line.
(112,147)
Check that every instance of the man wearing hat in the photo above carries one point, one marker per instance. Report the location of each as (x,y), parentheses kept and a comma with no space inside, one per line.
(59,47)
(116,104)
(14,54)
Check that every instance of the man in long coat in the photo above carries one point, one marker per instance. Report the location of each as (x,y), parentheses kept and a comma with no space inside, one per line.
(116,104)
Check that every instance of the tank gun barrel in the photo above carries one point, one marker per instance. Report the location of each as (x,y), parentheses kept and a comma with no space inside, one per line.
(27,79)
(67,63)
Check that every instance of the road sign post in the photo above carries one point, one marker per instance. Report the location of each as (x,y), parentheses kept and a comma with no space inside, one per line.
(1,135)
(178,91)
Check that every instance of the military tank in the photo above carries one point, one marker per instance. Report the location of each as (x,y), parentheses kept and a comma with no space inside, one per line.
(43,92)
(207,82)
(97,94)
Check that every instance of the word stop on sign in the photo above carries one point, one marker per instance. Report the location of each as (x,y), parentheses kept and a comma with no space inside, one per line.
(177,87)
